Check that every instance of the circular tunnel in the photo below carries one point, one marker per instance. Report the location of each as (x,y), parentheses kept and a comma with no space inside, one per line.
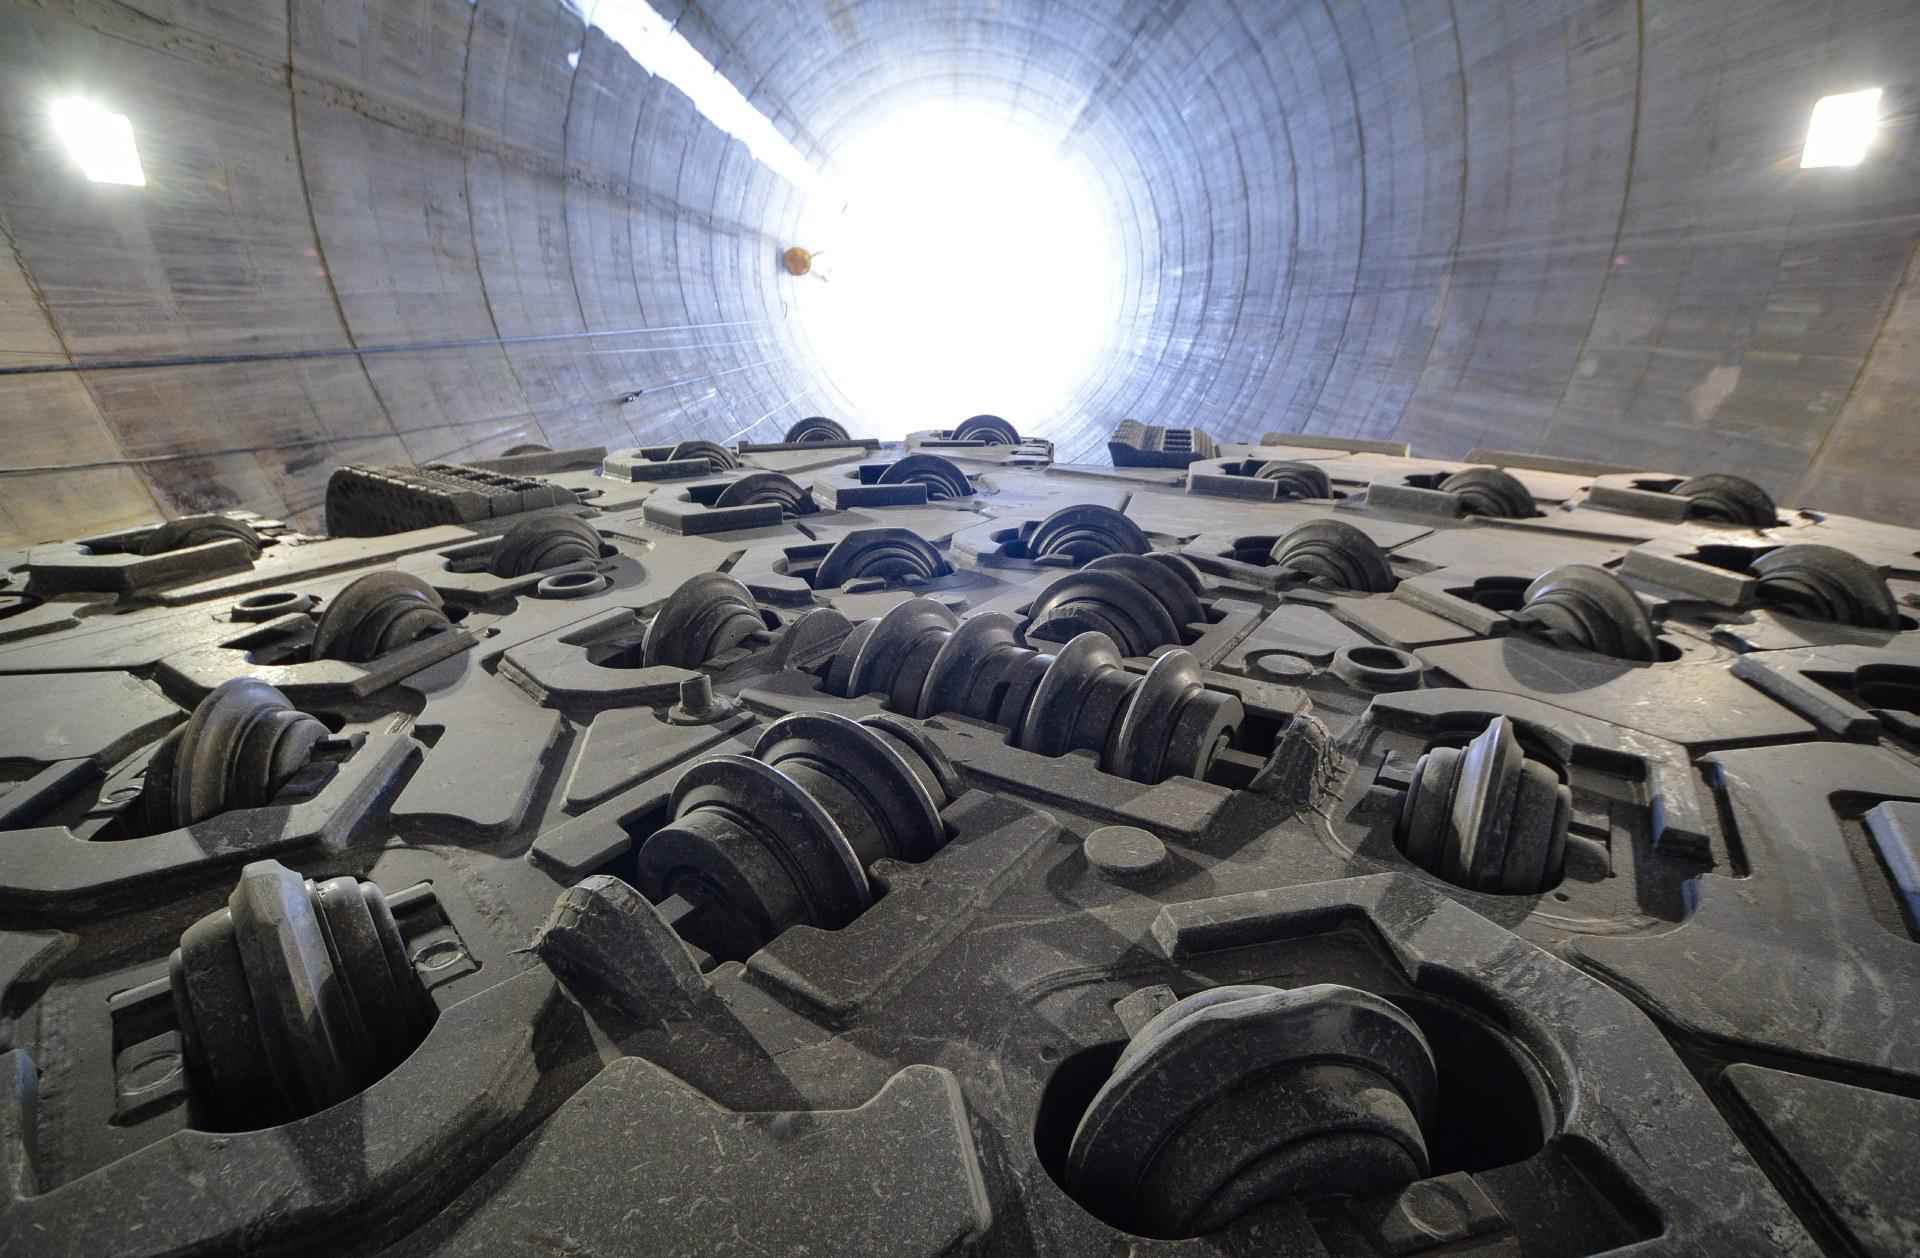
(414,230)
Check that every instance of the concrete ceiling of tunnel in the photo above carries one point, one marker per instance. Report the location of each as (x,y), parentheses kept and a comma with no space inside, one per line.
(1570,226)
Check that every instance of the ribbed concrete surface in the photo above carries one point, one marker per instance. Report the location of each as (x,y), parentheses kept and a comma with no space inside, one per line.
(1567,225)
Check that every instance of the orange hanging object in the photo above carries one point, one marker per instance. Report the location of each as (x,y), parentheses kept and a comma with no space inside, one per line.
(797,261)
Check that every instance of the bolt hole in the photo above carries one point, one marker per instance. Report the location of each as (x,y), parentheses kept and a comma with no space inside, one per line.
(571,584)
(273,604)
(1377,667)
(437,955)
(1377,657)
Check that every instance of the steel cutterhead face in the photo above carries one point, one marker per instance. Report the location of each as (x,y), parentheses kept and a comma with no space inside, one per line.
(1293,847)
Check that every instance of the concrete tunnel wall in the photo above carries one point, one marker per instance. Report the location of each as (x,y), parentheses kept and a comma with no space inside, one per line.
(1571,226)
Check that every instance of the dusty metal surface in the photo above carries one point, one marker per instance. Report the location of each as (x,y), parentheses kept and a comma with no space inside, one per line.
(816,846)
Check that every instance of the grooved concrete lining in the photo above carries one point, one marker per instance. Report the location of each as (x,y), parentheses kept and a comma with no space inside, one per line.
(1565,225)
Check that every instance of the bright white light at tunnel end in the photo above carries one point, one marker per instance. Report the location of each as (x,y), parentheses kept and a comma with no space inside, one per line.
(968,267)
(1842,128)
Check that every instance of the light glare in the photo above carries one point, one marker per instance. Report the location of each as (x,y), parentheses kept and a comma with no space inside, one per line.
(665,53)
(100,140)
(971,271)
(1841,129)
